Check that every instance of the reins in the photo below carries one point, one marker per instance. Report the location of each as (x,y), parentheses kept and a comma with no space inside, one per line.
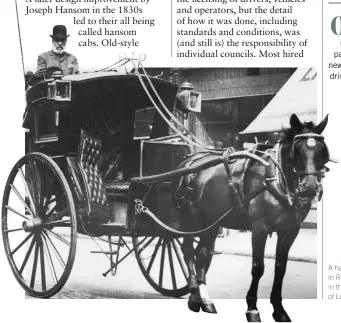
(193,141)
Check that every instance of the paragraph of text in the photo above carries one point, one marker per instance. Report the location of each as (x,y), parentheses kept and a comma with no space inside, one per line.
(239,28)
(334,282)
(100,23)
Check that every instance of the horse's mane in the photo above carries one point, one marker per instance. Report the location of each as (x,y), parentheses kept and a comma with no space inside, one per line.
(290,133)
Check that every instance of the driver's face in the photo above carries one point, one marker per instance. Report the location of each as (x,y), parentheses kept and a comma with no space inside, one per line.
(59,45)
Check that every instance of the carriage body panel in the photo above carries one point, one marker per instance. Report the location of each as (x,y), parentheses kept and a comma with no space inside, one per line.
(103,106)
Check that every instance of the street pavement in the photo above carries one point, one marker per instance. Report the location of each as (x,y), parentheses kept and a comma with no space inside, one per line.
(239,243)
(229,276)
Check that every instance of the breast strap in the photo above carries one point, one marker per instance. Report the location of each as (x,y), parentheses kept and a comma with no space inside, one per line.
(276,179)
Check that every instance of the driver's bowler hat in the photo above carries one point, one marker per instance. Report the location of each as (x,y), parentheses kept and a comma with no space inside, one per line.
(59,32)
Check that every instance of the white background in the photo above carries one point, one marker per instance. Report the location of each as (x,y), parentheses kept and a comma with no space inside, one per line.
(156,44)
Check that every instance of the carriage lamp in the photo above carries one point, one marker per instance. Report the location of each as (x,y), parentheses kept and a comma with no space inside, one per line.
(190,99)
(59,90)
(142,57)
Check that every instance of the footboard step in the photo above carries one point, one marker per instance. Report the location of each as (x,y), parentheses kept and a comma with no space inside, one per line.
(105,252)
(215,253)
(113,224)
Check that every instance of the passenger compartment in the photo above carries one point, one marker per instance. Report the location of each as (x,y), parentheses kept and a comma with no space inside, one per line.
(162,155)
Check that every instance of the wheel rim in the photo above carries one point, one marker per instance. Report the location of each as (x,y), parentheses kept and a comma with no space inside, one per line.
(39,225)
(161,262)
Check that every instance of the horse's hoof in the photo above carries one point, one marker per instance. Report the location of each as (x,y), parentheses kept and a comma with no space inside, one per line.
(281,316)
(253,316)
(193,306)
(208,308)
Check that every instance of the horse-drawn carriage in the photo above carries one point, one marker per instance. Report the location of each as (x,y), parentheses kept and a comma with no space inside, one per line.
(88,171)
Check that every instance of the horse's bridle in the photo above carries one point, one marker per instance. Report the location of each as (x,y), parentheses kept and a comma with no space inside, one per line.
(319,173)
(297,138)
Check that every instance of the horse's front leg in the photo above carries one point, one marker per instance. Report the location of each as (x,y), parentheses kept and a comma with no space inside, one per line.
(259,236)
(203,258)
(284,243)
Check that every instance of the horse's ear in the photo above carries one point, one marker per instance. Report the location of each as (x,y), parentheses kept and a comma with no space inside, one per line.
(295,123)
(320,127)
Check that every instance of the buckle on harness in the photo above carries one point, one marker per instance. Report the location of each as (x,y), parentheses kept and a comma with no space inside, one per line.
(139,208)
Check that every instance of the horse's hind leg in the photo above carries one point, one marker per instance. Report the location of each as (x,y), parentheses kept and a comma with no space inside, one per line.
(188,252)
(203,259)
(259,236)
(284,243)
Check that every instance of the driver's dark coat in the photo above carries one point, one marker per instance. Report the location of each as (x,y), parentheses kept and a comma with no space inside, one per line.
(51,59)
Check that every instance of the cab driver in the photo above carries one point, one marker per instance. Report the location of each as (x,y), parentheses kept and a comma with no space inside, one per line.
(58,57)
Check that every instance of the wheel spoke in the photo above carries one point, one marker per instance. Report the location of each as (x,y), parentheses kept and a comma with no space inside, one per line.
(42,193)
(13,230)
(56,222)
(61,214)
(58,256)
(21,199)
(42,265)
(178,241)
(48,193)
(157,246)
(180,260)
(21,244)
(34,269)
(56,205)
(16,212)
(143,240)
(162,263)
(147,244)
(27,255)
(33,176)
(57,236)
(49,200)
(49,260)
(27,190)
(171,264)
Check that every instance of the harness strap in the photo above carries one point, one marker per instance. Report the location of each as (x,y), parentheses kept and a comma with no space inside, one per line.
(287,194)
(192,160)
(249,197)
(309,172)
(235,193)
(139,208)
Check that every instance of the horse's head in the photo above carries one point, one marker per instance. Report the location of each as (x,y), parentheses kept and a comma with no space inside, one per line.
(308,156)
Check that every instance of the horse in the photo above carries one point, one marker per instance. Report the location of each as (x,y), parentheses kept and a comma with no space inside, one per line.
(274,198)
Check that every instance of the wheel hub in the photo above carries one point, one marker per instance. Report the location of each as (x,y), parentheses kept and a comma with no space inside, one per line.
(31,225)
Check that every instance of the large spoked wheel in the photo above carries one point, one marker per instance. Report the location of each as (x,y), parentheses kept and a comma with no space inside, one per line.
(162,264)
(39,225)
